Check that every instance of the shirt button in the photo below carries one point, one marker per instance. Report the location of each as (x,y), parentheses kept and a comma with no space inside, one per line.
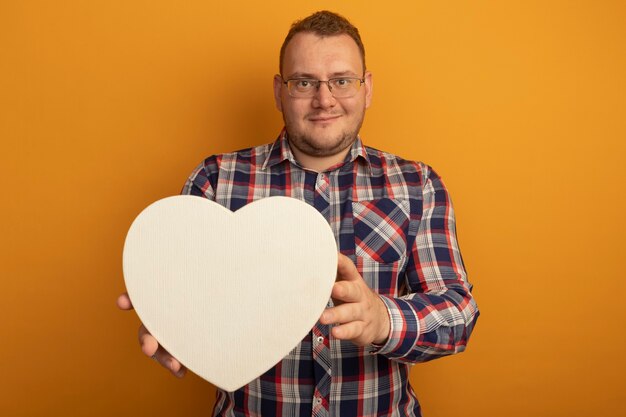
(318,400)
(320,339)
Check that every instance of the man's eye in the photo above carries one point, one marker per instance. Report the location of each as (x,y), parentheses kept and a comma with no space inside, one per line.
(303,84)
(342,82)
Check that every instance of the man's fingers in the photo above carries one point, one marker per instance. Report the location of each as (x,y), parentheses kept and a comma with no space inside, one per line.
(343,313)
(169,362)
(176,367)
(347,291)
(123,302)
(150,347)
(348,331)
(149,344)
(346,270)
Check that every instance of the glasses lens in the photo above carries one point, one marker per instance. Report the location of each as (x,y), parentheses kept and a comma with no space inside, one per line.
(344,87)
(302,88)
(339,87)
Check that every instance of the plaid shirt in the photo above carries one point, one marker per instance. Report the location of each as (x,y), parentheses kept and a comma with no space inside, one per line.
(394,219)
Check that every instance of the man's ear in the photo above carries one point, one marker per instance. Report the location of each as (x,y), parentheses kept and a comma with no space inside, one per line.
(369,88)
(278,87)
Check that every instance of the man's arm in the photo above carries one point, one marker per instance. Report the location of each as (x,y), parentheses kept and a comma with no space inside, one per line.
(436,318)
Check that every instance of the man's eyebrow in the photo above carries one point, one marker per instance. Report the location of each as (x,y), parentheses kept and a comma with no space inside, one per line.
(301,75)
(313,77)
(343,74)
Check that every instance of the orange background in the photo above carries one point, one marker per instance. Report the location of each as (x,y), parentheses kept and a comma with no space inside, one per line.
(106,106)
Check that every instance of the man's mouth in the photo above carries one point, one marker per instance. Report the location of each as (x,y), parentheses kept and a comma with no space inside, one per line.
(324,118)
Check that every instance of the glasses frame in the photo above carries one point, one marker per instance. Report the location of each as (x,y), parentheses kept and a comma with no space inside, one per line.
(319,84)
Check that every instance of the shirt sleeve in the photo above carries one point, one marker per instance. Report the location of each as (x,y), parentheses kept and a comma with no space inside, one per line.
(436,318)
(203,179)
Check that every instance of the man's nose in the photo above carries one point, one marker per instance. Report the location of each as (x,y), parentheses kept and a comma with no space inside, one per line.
(323,96)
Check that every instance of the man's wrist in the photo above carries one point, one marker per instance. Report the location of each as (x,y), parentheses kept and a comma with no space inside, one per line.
(385,325)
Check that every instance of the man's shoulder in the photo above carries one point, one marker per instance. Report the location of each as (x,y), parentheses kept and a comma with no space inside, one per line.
(251,153)
(243,160)
(255,155)
(383,161)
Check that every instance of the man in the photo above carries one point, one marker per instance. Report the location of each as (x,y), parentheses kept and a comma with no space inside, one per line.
(401,294)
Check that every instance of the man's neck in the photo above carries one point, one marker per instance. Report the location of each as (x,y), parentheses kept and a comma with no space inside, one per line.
(319,163)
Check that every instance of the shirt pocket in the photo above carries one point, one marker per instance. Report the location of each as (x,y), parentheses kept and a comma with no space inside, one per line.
(380,229)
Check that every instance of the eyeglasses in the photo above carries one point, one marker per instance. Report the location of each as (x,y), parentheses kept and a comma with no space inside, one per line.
(340,87)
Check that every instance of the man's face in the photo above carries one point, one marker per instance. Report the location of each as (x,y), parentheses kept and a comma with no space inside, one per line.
(322,125)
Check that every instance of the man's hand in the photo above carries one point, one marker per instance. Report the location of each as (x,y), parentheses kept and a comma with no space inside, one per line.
(149,345)
(359,312)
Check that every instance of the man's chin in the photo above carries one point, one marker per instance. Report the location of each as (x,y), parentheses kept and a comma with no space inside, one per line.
(324,146)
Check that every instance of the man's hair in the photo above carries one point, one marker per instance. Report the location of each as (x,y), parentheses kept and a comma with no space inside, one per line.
(323,23)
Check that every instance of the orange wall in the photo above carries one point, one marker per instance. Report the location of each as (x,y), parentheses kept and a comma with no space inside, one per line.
(105,106)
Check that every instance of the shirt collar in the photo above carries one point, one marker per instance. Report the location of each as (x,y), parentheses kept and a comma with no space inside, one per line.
(281,151)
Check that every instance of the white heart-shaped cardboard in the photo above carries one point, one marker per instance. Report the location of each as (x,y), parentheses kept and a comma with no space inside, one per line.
(229,294)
